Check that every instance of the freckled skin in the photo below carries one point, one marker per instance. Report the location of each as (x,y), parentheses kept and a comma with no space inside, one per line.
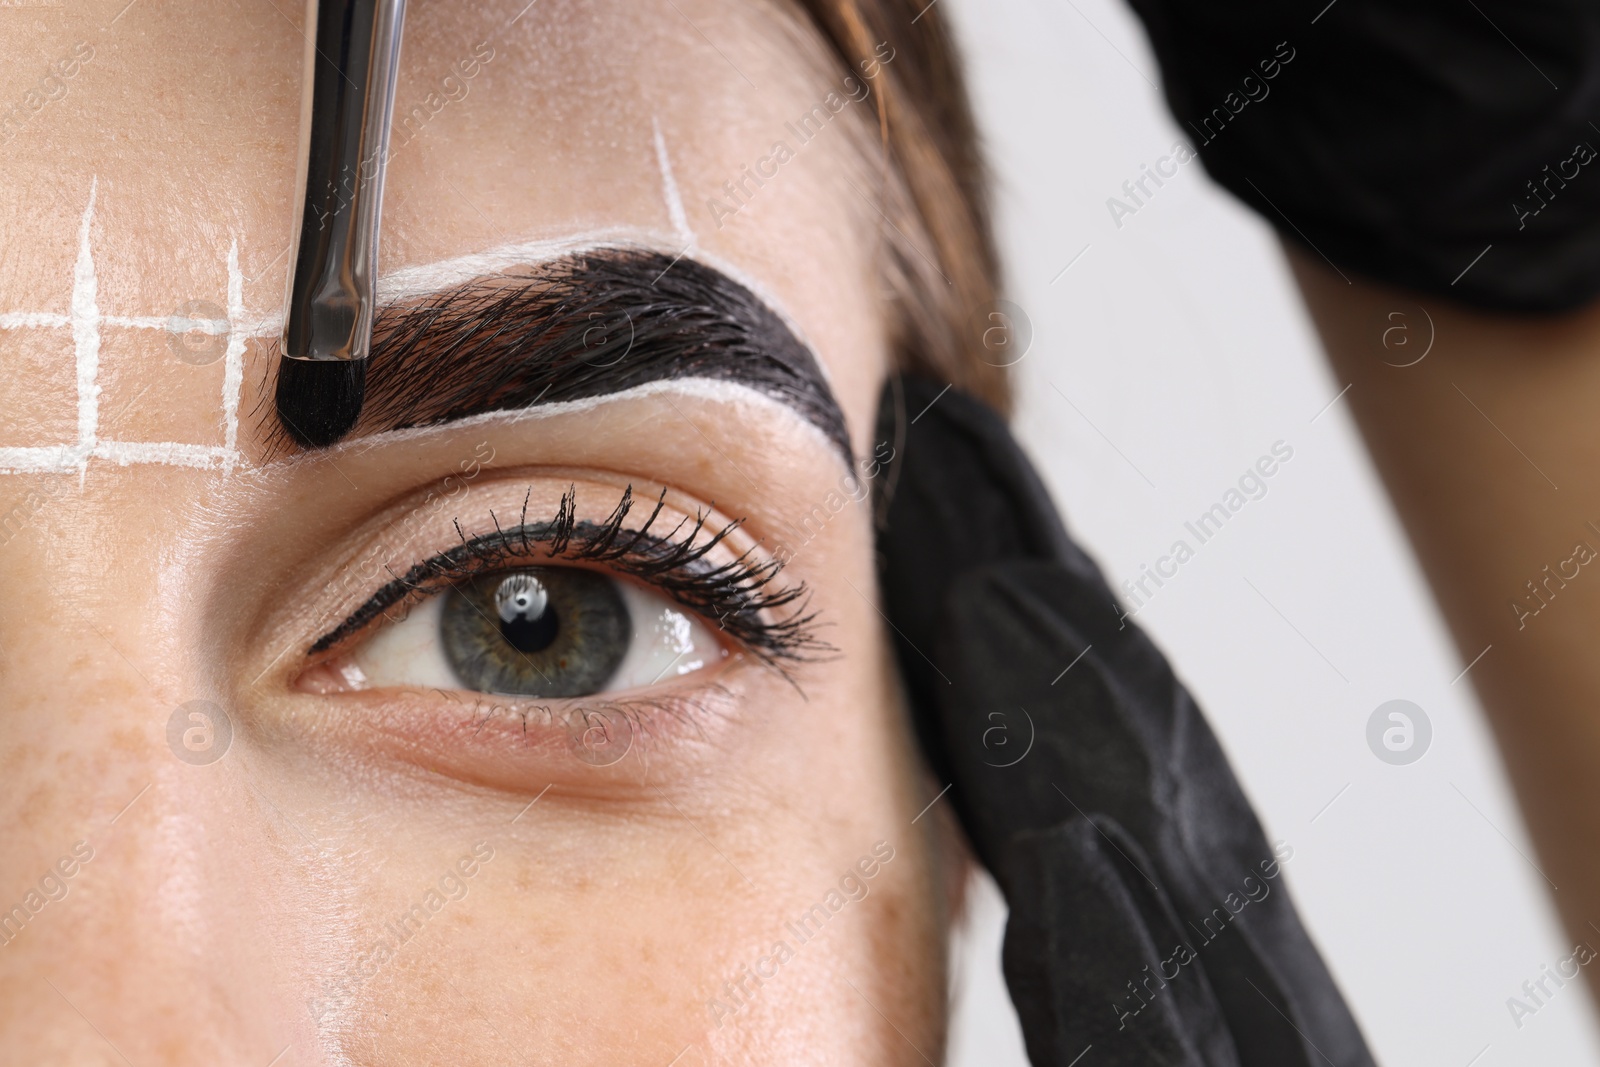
(247,906)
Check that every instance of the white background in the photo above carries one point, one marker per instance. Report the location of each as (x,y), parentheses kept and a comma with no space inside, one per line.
(1170,356)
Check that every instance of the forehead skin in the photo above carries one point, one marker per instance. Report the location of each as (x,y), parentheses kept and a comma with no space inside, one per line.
(148,169)
(184,120)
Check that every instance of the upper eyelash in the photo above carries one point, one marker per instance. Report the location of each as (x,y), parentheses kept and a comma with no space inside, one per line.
(737,595)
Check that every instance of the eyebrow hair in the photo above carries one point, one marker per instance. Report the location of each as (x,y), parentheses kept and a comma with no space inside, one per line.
(585,325)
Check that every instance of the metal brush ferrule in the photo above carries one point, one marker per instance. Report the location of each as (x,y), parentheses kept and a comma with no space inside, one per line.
(352,59)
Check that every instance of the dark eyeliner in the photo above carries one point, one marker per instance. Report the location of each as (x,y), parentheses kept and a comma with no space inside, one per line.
(739,596)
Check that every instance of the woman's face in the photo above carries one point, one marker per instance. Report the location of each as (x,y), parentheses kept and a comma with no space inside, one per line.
(252,805)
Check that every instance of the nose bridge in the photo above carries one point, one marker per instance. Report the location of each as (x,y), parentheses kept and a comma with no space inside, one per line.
(140,901)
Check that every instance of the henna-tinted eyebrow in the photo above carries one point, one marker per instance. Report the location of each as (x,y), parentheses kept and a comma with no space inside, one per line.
(587,325)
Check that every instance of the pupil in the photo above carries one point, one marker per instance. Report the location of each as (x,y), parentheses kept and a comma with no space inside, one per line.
(531,635)
(527,622)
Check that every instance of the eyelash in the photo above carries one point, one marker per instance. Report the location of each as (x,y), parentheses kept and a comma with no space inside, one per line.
(739,596)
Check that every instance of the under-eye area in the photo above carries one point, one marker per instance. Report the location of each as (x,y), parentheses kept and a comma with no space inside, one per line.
(564,607)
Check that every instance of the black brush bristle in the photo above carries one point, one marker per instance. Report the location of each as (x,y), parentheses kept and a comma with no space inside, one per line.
(319,400)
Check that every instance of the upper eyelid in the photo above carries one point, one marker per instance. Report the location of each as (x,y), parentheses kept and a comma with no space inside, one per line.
(677,568)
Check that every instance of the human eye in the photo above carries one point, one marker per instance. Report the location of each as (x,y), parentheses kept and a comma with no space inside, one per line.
(566,609)
(539,631)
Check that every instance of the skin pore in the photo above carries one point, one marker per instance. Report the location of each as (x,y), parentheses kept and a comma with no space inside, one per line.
(373,874)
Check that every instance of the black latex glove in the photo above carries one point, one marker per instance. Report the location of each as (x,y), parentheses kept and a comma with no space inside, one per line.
(1149,918)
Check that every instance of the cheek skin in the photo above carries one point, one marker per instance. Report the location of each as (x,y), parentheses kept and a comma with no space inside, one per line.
(884,953)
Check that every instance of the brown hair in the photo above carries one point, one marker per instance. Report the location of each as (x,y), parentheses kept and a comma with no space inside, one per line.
(943,268)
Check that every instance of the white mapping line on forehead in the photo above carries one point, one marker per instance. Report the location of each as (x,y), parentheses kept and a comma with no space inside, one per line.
(429,278)
(23,320)
(85,320)
(72,459)
(233,358)
(86,331)
(669,189)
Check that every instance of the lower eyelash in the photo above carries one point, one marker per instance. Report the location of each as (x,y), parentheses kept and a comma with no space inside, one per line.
(739,596)
(622,723)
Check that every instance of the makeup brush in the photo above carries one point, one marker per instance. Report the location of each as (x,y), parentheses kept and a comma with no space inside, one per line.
(347,100)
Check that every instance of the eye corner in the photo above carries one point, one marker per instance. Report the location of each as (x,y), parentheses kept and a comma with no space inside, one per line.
(328,677)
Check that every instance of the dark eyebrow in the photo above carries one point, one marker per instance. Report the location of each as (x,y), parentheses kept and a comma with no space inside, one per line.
(586,325)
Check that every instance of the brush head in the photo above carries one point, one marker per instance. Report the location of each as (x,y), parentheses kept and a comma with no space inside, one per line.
(319,400)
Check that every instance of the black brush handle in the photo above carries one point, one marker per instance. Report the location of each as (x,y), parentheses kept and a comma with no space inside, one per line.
(352,67)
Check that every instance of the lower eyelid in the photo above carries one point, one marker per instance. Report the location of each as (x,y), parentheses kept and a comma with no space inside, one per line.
(586,748)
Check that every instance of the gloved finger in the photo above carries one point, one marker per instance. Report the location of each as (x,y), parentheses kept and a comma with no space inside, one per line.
(1118,735)
(955,496)
(1092,953)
